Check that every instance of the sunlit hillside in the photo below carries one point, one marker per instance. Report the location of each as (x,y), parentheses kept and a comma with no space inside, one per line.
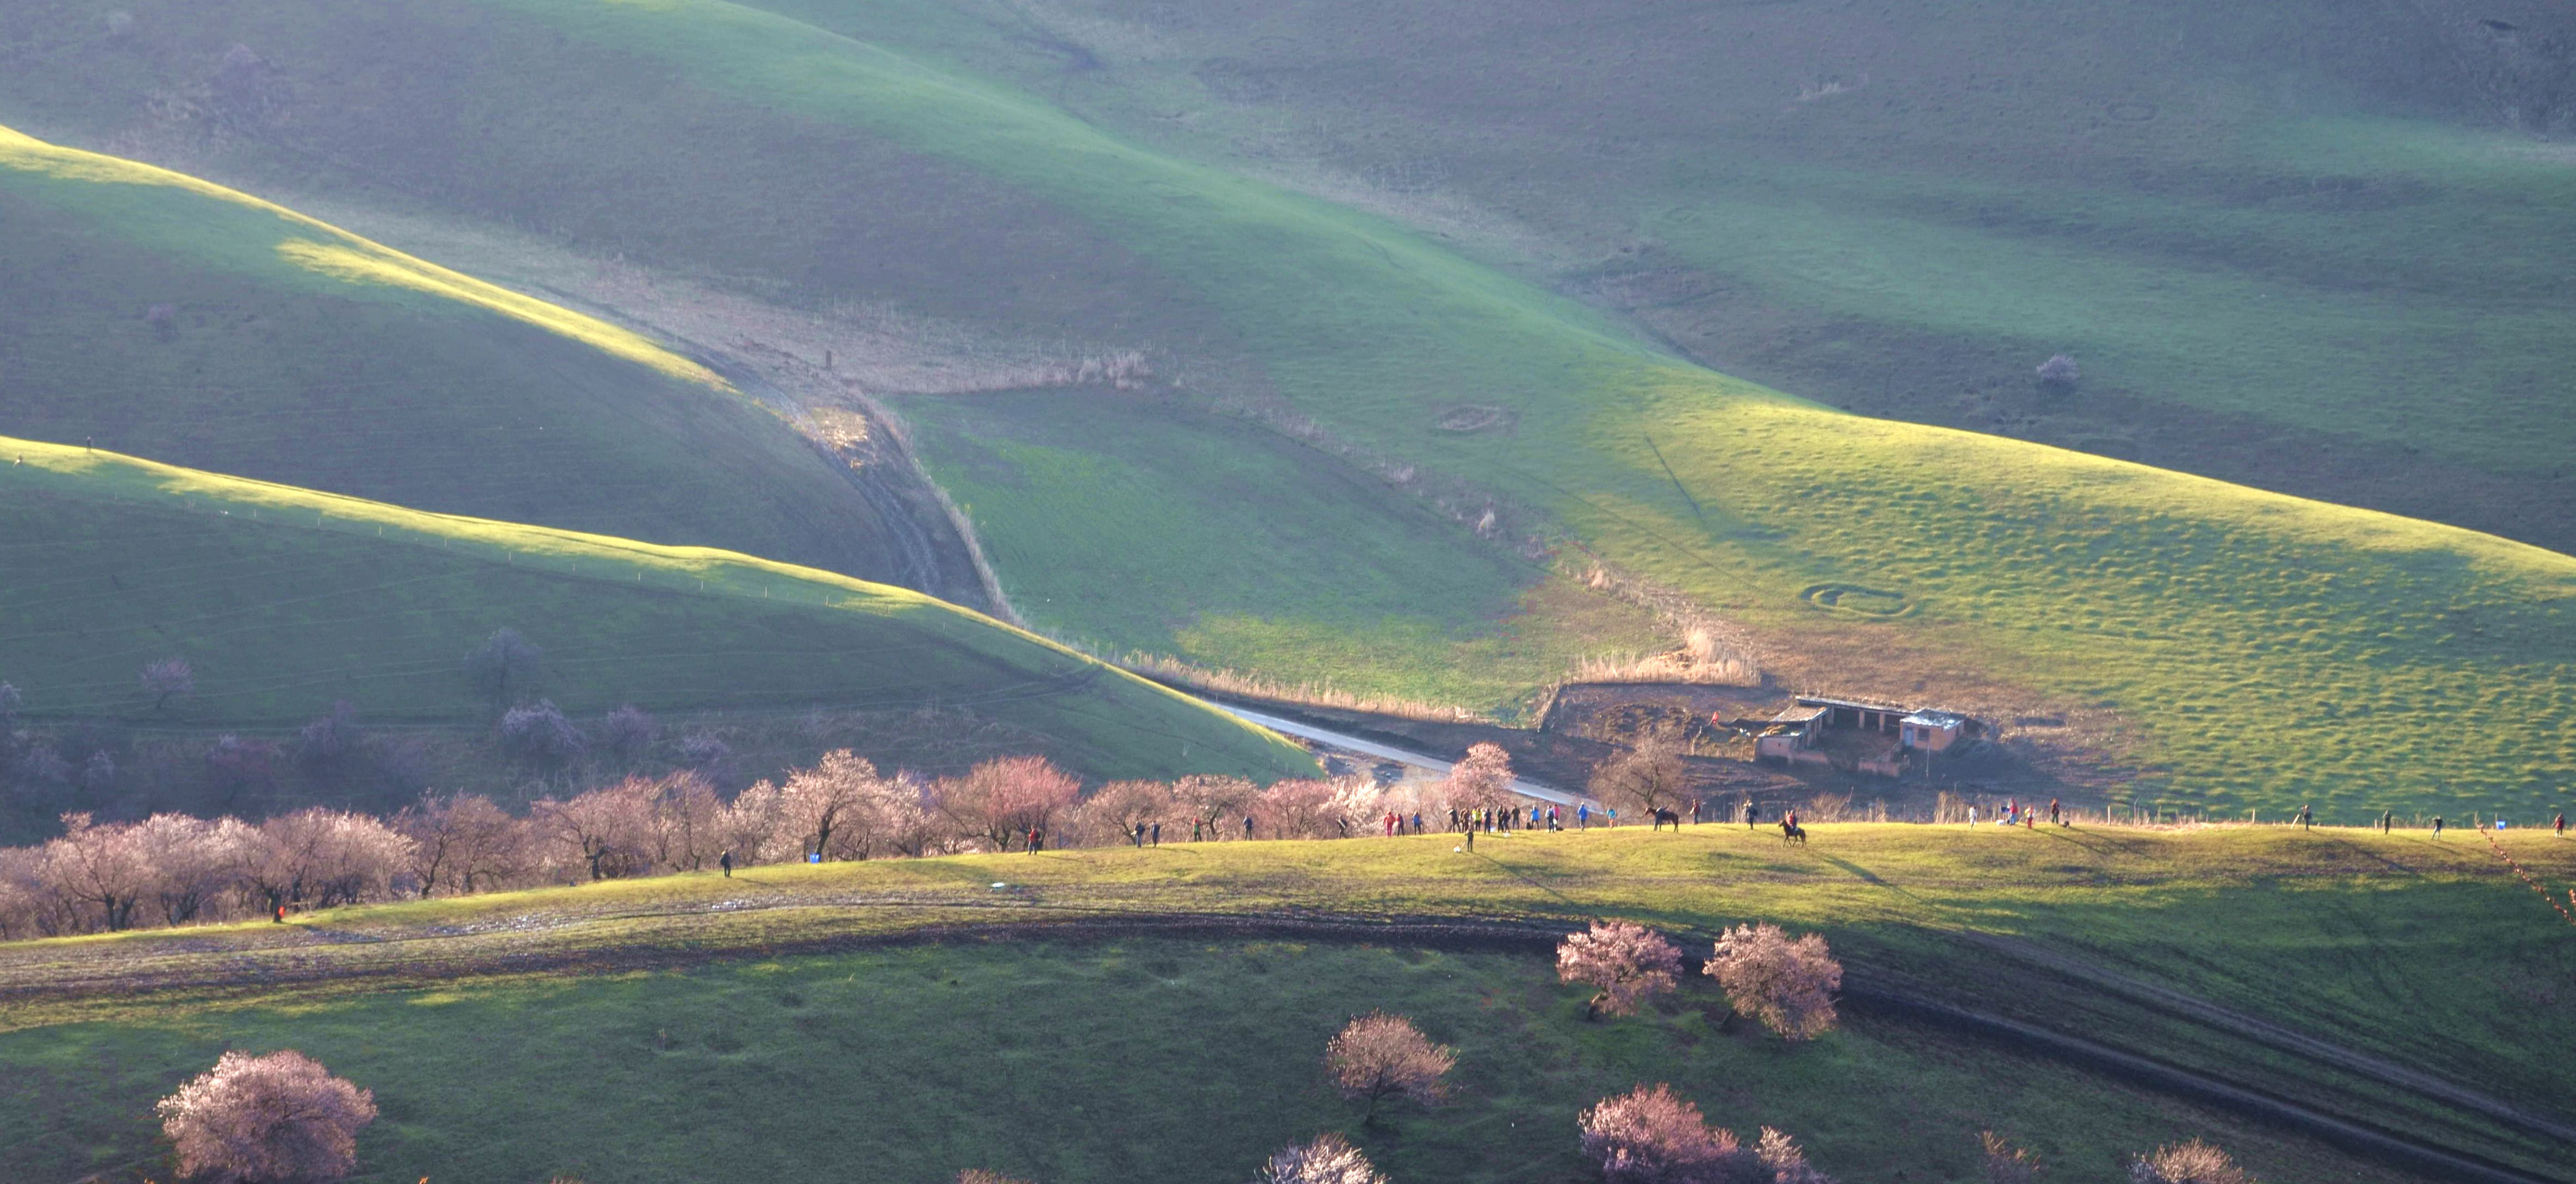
(2235,648)
(283,600)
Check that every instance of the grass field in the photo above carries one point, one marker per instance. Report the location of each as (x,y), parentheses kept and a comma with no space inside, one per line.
(285,600)
(2273,237)
(2231,648)
(1341,587)
(166,317)
(1138,1057)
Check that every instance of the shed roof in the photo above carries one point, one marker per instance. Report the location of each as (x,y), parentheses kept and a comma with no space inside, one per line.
(1852,704)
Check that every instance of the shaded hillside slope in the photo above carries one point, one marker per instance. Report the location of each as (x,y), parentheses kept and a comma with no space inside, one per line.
(2238,648)
(284,600)
(2311,247)
(163,316)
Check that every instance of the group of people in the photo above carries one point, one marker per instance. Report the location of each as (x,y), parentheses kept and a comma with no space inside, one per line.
(1395,823)
(2014,813)
(1511,818)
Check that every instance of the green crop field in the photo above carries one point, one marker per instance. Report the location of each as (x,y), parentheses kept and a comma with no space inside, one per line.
(285,600)
(2228,648)
(166,317)
(586,1031)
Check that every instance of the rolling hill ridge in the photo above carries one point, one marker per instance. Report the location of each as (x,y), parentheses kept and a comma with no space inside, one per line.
(2229,648)
(283,599)
(161,315)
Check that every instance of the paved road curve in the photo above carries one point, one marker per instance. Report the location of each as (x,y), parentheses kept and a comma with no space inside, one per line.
(1520,785)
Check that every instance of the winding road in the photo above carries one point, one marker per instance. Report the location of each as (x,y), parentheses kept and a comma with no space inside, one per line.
(1419,760)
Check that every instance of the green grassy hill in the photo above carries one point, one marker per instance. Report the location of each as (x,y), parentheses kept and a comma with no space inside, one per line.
(2237,648)
(163,316)
(2275,236)
(591,1035)
(285,600)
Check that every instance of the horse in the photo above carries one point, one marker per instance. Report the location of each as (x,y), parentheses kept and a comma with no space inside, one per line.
(1791,832)
(1663,816)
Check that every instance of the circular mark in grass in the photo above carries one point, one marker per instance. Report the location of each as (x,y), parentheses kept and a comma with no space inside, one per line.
(2133,112)
(1471,418)
(1852,598)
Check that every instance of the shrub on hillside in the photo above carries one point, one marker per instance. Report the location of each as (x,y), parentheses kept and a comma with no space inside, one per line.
(1788,985)
(1378,1055)
(1783,1162)
(98,774)
(627,734)
(539,734)
(331,739)
(237,764)
(1651,1136)
(267,1120)
(1330,1159)
(1627,962)
(167,679)
(39,764)
(2194,1162)
(2005,1163)
(504,666)
(2060,370)
(986,1176)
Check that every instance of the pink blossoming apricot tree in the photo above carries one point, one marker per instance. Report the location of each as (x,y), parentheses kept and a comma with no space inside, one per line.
(1377,1056)
(1786,983)
(1330,1159)
(267,1120)
(1627,962)
(1652,1136)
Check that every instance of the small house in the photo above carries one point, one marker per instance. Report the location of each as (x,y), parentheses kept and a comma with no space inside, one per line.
(1789,733)
(1931,731)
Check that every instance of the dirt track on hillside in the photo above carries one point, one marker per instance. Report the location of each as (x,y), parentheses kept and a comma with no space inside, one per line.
(251,963)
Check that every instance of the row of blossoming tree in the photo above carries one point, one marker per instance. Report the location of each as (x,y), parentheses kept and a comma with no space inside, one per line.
(172,869)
